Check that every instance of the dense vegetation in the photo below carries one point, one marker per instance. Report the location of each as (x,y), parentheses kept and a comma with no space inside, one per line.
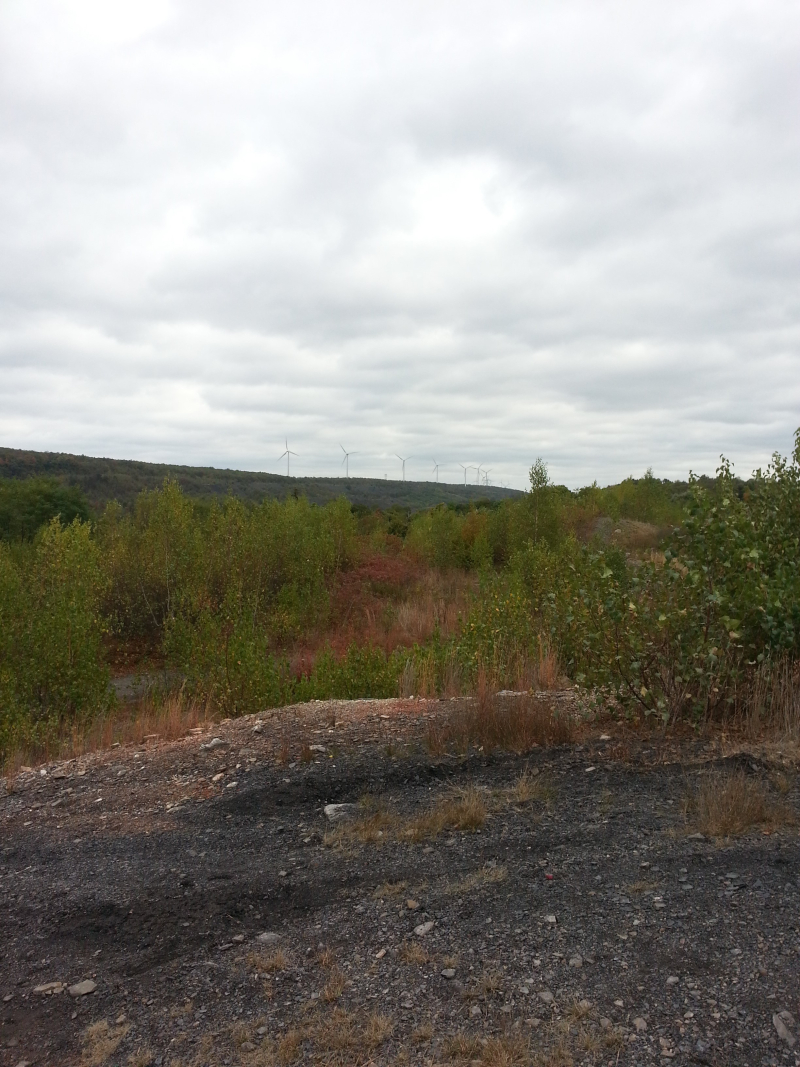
(252,605)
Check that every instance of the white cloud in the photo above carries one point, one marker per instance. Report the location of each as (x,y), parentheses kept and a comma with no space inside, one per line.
(478,232)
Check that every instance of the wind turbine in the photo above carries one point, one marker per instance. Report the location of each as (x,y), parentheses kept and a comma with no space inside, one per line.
(436,470)
(287,453)
(403,461)
(478,475)
(486,476)
(346,460)
(464,469)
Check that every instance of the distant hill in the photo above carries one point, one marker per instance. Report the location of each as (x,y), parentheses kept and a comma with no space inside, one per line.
(102,480)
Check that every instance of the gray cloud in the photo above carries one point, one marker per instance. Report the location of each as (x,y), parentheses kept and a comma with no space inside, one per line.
(476,232)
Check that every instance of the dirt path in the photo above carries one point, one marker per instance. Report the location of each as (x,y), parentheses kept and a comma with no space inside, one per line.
(493,909)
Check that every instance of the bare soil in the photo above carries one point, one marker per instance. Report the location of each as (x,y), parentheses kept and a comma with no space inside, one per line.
(579,919)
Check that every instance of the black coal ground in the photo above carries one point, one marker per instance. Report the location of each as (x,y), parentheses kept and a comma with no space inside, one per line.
(589,925)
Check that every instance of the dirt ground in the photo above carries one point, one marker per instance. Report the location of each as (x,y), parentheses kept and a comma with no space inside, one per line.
(191,903)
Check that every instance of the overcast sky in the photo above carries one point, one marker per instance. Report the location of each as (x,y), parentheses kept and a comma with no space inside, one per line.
(467,232)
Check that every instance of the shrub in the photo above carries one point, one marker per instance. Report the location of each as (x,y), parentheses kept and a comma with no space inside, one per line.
(51,668)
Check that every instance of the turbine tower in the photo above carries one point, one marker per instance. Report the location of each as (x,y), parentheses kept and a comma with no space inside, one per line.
(403,461)
(288,453)
(464,469)
(486,476)
(436,470)
(346,460)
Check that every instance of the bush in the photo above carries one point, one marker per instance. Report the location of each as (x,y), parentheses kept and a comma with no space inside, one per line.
(51,667)
(682,636)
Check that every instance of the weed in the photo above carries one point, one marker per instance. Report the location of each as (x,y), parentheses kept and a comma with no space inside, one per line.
(389,890)
(269,964)
(422,1035)
(514,724)
(529,786)
(290,1046)
(412,952)
(334,987)
(100,1042)
(725,805)
(465,810)
(477,880)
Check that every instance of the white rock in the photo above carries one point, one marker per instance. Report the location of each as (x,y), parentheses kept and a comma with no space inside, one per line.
(215,742)
(268,938)
(335,812)
(673,980)
(640,1025)
(550,919)
(576,961)
(82,989)
(784,1033)
(423,928)
(449,972)
(546,996)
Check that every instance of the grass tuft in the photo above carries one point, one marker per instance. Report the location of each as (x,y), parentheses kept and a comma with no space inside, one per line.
(725,805)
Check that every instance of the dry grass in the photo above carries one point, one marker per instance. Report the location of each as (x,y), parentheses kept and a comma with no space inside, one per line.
(290,1046)
(373,828)
(143,1057)
(100,1042)
(477,880)
(422,1035)
(389,890)
(528,787)
(153,717)
(504,1051)
(412,952)
(513,724)
(270,963)
(336,1039)
(727,804)
(772,701)
(465,809)
(334,987)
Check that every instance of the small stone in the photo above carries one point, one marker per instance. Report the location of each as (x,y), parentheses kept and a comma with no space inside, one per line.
(82,989)
(639,1025)
(584,1005)
(215,742)
(423,928)
(262,1030)
(783,1031)
(268,938)
(673,980)
(428,849)
(316,748)
(551,919)
(380,954)
(449,972)
(619,1003)
(218,777)
(412,905)
(605,1023)
(258,728)
(24,1063)
(576,961)
(238,938)
(475,1010)
(546,996)
(247,1046)
(696,837)
(231,785)
(47,987)
(7,997)
(120,1019)
(337,812)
